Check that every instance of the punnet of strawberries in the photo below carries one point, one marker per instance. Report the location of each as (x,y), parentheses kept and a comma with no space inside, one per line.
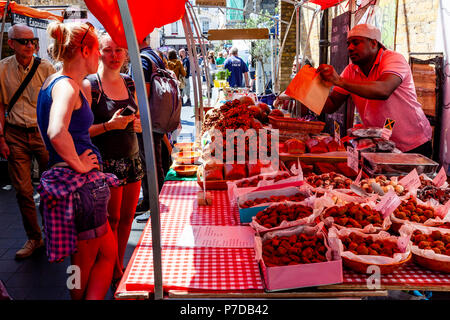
(273,215)
(360,245)
(293,250)
(298,197)
(412,211)
(436,241)
(354,215)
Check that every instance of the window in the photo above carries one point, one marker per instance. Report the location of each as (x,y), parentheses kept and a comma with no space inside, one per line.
(205,26)
(174,28)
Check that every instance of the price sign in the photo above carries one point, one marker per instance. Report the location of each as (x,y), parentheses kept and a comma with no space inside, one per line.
(386,133)
(442,211)
(411,180)
(358,178)
(389,202)
(440,178)
(337,132)
(297,170)
(352,159)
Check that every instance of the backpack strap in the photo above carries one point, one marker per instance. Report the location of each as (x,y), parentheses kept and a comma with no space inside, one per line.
(129,82)
(154,60)
(95,87)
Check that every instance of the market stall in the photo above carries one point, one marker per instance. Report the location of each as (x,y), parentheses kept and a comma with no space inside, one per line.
(209,220)
(314,215)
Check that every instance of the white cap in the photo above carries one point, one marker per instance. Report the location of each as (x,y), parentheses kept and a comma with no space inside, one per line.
(367,31)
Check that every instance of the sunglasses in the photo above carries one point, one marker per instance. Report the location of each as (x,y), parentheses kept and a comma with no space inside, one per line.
(90,26)
(33,41)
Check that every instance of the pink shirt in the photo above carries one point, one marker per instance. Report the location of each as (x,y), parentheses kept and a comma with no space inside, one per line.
(411,128)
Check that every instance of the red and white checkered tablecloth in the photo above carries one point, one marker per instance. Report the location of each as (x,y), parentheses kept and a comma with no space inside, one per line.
(409,275)
(230,269)
(197,269)
(215,269)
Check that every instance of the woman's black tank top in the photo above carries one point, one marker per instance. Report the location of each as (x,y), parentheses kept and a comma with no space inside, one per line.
(113,144)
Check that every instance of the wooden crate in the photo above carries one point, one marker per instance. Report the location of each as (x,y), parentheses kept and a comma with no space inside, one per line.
(424,76)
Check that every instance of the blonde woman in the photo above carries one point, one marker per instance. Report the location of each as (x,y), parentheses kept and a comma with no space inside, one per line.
(115,135)
(74,192)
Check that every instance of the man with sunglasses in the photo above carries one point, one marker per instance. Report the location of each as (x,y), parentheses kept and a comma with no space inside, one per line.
(20,140)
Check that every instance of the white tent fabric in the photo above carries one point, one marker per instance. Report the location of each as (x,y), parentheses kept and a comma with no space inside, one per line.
(443,45)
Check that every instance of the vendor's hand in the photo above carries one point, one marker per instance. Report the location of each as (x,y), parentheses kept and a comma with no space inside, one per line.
(89,161)
(119,122)
(328,74)
(4,149)
(137,124)
(278,102)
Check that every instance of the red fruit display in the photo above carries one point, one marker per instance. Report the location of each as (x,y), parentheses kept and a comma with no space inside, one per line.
(296,249)
(327,180)
(360,245)
(264,107)
(276,113)
(246,100)
(272,216)
(294,198)
(436,241)
(295,146)
(412,211)
(354,215)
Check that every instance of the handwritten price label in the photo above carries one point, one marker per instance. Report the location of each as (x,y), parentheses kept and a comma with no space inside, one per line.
(411,180)
(440,178)
(444,210)
(352,159)
(297,170)
(389,202)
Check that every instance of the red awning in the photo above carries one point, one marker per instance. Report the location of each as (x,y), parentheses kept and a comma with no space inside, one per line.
(28,12)
(146,14)
(324,4)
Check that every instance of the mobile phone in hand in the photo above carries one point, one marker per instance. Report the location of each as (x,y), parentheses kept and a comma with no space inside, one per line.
(128,111)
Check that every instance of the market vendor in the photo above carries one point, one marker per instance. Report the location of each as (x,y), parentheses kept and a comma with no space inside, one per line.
(381,86)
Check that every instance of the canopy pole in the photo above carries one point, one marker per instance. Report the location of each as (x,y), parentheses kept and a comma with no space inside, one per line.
(205,60)
(272,65)
(141,92)
(3,27)
(192,55)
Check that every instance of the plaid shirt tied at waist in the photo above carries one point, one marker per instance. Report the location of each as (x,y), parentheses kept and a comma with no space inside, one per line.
(56,190)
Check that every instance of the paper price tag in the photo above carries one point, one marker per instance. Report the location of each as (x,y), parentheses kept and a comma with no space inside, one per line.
(352,159)
(389,202)
(358,177)
(444,210)
(411,180)
(440,178)
(402,243)
(297,170)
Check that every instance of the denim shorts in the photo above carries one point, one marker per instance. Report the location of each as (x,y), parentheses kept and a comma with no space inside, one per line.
(91,209)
